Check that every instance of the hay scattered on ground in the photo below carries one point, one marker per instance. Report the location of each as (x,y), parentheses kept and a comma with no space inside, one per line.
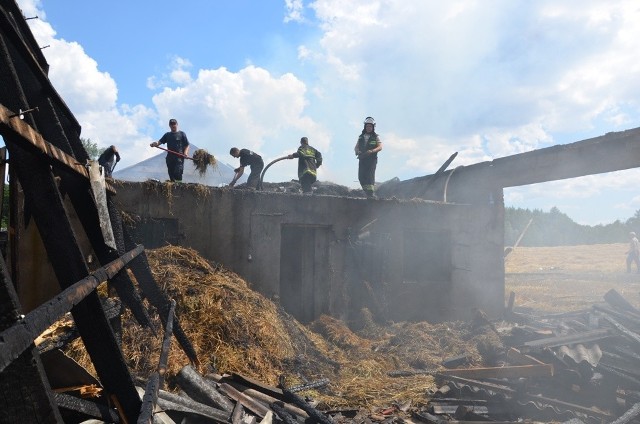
(235,329)
(202,160)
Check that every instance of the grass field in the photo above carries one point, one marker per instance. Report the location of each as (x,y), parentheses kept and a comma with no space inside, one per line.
(569,278)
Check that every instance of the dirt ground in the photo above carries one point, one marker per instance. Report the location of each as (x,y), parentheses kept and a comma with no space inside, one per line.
(569,278)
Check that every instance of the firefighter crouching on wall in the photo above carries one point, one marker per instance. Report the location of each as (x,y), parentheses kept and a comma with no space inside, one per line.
(309,160)
(367,149)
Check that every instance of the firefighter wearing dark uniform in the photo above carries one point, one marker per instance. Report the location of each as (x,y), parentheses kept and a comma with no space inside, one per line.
(366,150)
(176,141)
(247,158)
(309,160)
(108,160)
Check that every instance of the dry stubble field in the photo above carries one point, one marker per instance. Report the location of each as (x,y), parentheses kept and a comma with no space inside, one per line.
(569,278)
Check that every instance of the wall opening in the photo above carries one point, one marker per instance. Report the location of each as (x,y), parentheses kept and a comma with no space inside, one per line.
(427,256)
(304,271)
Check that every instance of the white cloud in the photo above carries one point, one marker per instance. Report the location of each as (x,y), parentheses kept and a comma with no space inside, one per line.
(90,93)
(295,11)
(439,77)
(251,109)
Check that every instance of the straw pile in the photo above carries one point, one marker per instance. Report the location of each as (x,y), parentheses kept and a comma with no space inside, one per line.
(235,329)
(202,159)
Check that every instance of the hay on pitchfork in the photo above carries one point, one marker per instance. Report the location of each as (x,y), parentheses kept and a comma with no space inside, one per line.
(202,159)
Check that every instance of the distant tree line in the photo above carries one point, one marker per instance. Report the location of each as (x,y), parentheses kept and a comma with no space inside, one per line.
(555,228)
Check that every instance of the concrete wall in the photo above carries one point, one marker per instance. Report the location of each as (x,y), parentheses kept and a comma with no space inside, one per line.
(338,271)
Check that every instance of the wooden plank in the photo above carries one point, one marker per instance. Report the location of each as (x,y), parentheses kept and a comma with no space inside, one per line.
(251,404)
(518,371)
(31,140)
(587,336)
(514,356)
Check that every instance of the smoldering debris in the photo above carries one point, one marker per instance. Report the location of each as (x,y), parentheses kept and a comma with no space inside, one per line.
(512,369)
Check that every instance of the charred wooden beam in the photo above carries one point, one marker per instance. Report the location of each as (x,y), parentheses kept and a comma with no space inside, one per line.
(170,401)
(263,397)
(237,413)
(84,409)
(631,416)
(156,381)
(31,140)
(198,388)
(309,386)
(41,193)
(26,394)
(112,309)
(632,336)
(251,404)
(282,413)
(252,383)
(313,413)
(18,338)
(79,192)
(624,317)
(32,57)
(149,400)
(615,299)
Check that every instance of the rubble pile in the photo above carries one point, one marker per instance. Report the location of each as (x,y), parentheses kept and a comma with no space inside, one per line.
(579,366)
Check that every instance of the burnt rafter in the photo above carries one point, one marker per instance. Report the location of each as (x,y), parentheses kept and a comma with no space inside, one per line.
(32,140)
(18,338)
(150,398)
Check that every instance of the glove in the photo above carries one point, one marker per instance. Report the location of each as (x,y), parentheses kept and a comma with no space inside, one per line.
(154,144)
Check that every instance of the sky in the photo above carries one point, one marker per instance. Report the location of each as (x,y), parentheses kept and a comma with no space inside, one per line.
(486,79)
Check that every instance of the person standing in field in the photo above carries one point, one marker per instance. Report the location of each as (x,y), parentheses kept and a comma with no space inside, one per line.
(633,254)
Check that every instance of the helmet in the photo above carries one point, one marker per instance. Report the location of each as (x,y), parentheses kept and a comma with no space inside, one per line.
(370,120)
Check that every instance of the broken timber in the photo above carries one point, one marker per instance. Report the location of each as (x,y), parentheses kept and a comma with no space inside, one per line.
(18,338)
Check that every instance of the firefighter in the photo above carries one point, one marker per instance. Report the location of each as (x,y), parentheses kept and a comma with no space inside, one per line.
(309,160)
(366,150)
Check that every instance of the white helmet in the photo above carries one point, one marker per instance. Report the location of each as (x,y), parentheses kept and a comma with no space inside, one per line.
(370,120)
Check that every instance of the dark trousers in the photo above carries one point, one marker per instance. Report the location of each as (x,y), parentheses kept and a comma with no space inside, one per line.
(633,257)
(306,180)
(254,177)
(107,167)
(175,167)
(367,174)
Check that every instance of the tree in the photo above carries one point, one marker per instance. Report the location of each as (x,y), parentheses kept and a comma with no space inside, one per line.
(92,148)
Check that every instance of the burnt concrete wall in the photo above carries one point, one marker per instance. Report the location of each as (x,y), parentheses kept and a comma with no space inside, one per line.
(416,260)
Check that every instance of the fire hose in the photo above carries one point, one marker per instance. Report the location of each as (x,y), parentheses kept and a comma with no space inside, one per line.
(267,167)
